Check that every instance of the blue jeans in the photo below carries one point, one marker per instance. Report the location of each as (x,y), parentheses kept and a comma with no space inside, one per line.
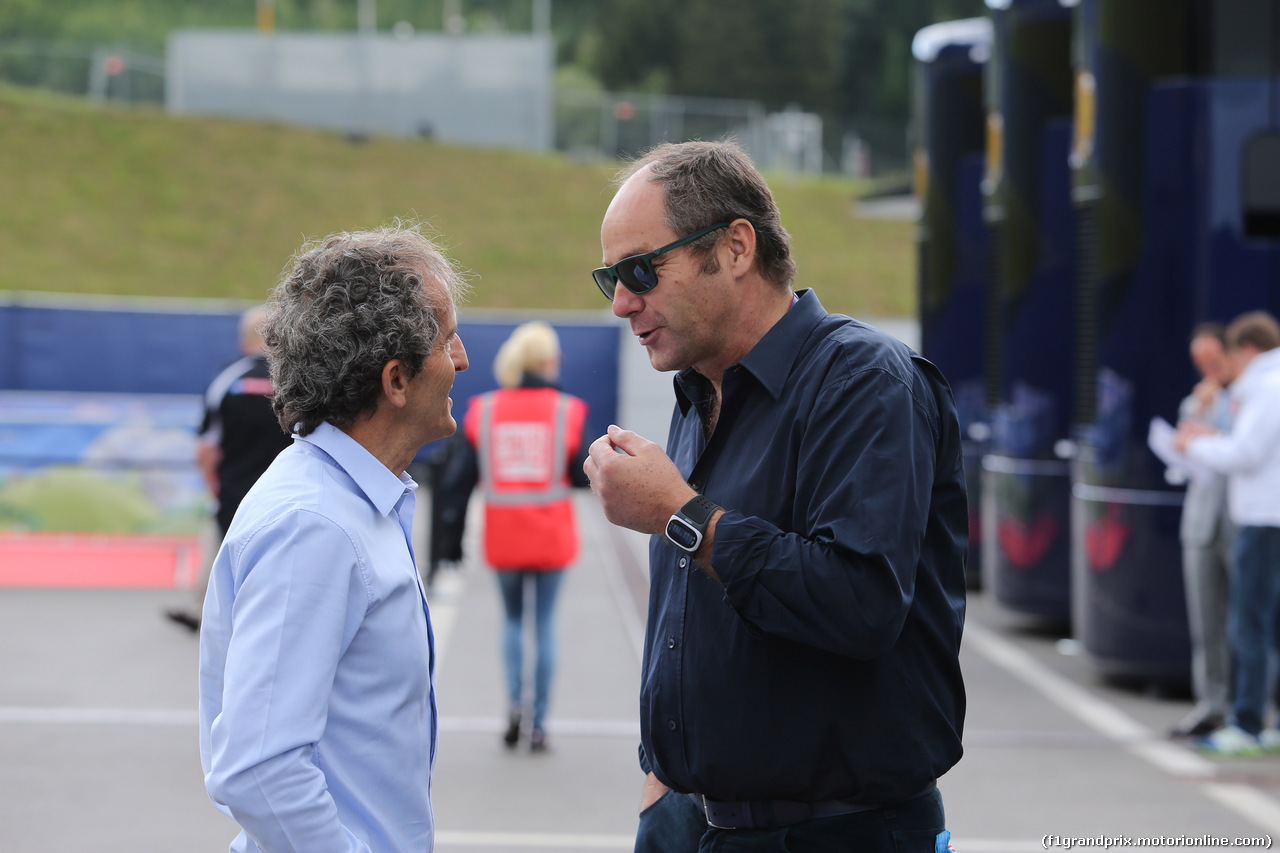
(675,825)
(546,587)
(1255,594)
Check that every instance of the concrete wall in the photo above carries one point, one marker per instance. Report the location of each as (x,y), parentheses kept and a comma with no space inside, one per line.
(492,90)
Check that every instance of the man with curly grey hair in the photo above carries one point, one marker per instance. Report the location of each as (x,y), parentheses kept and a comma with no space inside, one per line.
(317,704)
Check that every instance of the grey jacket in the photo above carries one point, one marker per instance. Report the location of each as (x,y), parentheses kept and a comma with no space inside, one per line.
(1204,510)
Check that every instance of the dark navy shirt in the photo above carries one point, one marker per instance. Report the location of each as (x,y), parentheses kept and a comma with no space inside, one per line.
(826,666)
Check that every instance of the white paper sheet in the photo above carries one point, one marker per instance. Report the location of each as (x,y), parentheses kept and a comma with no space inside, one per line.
(1160,440)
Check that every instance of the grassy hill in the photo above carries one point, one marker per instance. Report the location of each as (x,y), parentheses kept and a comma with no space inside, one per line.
(103,200)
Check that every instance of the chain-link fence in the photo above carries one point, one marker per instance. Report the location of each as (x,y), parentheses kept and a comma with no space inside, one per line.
(872,145)
(586,125)
(591,125)
(95,71)
(619,125)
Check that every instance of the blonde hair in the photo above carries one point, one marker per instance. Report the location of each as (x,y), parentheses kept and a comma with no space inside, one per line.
(531,346)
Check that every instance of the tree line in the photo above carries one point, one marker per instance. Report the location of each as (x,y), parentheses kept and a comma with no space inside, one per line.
(843,59)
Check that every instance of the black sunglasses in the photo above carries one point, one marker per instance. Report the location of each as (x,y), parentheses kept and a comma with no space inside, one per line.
(636,272)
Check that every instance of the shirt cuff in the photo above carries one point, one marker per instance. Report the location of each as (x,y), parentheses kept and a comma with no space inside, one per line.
(739,552)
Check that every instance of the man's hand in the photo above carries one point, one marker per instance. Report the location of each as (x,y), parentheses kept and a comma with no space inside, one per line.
(1205,392)
(1189,430)
(639,487)
(207,458)
(653,791)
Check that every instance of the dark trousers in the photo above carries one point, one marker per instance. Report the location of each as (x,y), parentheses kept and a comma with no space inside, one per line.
(1255,594)
(675,825)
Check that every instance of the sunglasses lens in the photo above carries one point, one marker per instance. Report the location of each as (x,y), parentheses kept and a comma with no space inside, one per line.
(606,282)
(638,275)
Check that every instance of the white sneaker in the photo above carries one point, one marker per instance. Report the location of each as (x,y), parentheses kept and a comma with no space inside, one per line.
(1269,740)
(1229,742)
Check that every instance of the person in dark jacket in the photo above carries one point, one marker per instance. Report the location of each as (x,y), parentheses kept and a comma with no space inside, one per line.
(239,438)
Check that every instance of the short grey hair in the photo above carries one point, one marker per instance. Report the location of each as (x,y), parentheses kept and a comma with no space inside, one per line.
(345,307)
(708,182)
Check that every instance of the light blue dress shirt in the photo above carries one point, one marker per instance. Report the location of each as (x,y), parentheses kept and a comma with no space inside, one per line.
(317,703)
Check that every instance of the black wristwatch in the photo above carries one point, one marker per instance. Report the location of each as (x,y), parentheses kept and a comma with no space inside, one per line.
(687,527)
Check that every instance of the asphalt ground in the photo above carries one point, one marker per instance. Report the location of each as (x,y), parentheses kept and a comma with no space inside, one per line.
(99,745)
(98,736)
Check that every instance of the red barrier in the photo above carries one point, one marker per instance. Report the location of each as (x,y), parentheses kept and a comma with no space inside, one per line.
(95,560)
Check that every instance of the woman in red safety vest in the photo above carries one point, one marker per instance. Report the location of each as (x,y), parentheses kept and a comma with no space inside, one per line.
(529,444)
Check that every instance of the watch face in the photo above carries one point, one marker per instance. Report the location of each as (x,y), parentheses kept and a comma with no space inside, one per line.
(682,535)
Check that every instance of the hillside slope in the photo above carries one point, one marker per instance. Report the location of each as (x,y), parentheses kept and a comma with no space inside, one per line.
(104,200)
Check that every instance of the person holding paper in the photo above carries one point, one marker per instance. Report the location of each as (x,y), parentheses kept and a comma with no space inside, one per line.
(1207,535)
(1250,457)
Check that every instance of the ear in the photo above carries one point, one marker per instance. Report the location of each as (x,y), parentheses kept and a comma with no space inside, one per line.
(742,247)
(395,382)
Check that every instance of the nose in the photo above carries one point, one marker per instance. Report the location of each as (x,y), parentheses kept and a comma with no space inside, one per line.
(459,354)
(625,303)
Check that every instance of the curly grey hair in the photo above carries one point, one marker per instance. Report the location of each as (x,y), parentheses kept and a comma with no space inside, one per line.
(344,308)
(709,182)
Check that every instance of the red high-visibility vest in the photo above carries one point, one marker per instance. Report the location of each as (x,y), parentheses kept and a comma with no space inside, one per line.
(524,439)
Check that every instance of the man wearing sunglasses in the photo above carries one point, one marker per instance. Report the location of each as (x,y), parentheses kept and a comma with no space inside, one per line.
(801,677)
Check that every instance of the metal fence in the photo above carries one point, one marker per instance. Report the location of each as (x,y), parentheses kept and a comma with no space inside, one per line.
(580,124)
(101,72)
(591,125)
(619,125)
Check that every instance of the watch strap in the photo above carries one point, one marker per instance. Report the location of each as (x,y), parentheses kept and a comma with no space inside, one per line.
(699,510)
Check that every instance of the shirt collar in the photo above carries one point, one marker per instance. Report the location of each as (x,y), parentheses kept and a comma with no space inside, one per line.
(383,489)
(771,359)
(1264,362)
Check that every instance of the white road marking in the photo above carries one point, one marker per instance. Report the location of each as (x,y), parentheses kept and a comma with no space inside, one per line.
(1248,802)
(535,840)
(98,716)
(45,715)
(1108,720)
(561,727)
(571,841)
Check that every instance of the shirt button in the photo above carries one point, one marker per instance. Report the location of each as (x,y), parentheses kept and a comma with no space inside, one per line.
(684,561)
(671,642)
(671,725)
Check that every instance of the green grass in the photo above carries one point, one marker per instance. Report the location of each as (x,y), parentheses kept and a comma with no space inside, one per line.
(103,200)
(71,498)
